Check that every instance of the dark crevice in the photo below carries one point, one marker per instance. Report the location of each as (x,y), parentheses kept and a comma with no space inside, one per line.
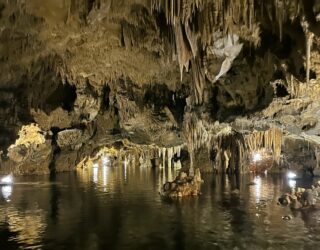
(8,139)
(105,98)
(64,96)
(158,96)
(281,90)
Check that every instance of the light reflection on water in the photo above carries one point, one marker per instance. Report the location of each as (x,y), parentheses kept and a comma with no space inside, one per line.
(6,192)
(119,208)
(257,181)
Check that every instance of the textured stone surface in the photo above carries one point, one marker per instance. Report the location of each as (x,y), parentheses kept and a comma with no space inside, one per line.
(69,137)
(90,73)
(31,153)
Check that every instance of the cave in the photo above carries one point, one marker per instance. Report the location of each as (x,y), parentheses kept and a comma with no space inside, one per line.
(159,124)
(63,96)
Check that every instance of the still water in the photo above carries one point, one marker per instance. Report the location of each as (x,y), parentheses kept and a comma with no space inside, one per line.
(119,208)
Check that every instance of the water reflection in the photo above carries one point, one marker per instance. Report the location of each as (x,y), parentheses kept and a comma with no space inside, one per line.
(292,183)
(26,227)
(257,181)
(118,207)
(95,170)
(6,192)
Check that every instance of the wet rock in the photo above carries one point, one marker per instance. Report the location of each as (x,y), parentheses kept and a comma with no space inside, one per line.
(307,198)
(295,204)
(285,199)
(300,198)
(183,185)
(66,161)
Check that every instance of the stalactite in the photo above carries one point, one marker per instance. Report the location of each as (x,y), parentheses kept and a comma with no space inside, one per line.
(309,41)
(184,55)
(198,81)
(269,140)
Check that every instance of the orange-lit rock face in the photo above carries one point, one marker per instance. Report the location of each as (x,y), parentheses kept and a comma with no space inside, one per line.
(155,74)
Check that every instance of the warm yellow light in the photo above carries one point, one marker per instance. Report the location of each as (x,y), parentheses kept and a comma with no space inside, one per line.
(257,157)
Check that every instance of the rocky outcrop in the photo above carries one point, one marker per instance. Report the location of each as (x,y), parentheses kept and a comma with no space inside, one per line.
(301,198)
(32,152)
(91,73)
(183,185)
(70,138)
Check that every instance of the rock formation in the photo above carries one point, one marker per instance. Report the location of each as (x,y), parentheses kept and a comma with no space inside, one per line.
(182,186)
(222,78)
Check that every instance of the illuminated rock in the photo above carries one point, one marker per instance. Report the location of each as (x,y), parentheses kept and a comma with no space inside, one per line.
(183,185)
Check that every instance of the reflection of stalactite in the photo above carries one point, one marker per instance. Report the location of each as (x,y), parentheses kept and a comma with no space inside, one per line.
(28,226)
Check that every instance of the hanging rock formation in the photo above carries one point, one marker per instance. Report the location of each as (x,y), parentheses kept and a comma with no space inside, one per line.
(212,80)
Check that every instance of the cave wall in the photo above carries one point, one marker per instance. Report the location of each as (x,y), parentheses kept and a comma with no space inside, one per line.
(89,73)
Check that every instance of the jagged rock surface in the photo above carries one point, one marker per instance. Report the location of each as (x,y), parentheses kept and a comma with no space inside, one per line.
(162,72)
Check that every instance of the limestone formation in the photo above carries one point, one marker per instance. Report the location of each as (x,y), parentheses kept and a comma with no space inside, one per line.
(31,153)
(183,185)
(215,80)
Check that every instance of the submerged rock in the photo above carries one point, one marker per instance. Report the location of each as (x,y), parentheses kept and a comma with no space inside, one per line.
(300,198)
(183,185)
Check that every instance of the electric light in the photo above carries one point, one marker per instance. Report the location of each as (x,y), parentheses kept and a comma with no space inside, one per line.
(7,179)
(257,157)
(292,183)
(291,175)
